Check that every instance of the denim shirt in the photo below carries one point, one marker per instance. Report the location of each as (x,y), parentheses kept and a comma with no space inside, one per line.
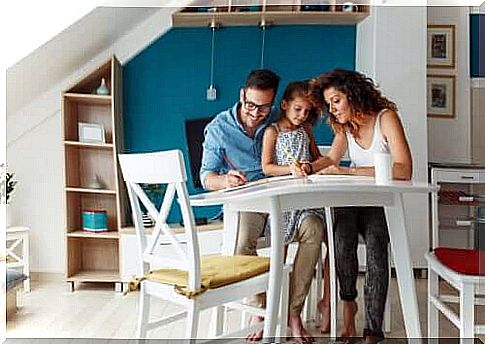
(224,135)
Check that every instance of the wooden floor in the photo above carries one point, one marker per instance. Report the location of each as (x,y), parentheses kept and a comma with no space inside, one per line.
(96,311)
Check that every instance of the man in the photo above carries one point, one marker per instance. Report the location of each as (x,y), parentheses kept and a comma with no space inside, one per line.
(232,157)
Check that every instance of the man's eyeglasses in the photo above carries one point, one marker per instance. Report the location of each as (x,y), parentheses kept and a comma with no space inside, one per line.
(263,109)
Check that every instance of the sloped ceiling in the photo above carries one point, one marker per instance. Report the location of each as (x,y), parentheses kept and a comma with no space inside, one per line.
(70,49)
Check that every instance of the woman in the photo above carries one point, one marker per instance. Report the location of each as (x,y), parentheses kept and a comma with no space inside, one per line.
(364,122)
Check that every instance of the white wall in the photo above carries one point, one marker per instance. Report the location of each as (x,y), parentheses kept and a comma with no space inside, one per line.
(38,201)
(392,50)
(450,140)
(34,151)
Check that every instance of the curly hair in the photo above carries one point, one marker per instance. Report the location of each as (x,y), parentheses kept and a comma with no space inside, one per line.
(305,90)
(362,95)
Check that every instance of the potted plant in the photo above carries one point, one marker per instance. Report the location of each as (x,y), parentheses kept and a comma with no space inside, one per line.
(8,184)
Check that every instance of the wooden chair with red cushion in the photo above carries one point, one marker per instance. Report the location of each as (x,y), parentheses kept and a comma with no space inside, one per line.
(464,270)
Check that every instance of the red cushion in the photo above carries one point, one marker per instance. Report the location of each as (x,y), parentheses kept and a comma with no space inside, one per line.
(464,261)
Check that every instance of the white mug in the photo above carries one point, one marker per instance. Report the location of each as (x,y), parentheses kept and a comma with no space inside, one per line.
(382,168)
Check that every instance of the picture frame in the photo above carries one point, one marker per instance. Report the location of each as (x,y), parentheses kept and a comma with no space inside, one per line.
(91,133)
(441,46)
(441,96)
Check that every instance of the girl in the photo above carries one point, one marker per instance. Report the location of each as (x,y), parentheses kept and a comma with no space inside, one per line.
(289,147)
(364,122)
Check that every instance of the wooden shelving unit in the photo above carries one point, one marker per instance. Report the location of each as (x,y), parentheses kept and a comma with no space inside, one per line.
(293,12)
(93,257)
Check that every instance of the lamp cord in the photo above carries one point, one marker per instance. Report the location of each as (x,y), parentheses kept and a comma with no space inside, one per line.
(263,27)
(212,55)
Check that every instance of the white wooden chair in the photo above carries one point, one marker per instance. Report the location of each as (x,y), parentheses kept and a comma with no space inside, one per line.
(198,290)
(471,289)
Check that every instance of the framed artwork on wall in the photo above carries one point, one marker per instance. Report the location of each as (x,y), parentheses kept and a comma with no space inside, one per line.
(441,46)
(441,96)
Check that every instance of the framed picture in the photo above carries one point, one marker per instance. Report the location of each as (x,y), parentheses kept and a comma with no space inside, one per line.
(441,96)
(441,46)
(91,133)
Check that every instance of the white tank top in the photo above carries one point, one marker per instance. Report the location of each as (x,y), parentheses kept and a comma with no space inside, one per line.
(365,157)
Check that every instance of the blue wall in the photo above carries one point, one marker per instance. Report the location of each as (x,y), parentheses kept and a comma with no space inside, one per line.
(477,45)
(166,83)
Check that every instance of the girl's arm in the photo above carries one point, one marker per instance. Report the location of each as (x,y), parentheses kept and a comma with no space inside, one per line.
(267,163)
(393,132)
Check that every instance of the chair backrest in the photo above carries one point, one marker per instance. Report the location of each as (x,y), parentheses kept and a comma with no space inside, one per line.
(167,168)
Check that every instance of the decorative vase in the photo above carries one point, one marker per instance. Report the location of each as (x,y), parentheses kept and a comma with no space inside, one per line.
(102,89)
(96,183)
(349,7)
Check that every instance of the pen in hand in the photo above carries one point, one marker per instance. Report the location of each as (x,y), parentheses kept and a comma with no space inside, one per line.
(234,177)
(228,162)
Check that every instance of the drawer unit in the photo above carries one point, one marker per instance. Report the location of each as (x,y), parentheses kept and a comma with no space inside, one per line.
(458,210)
(457,176)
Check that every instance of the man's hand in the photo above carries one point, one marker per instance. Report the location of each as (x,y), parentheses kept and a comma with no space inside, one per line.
(235,178)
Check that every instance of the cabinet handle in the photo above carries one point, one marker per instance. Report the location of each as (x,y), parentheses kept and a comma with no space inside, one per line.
(467,177)
(169,243)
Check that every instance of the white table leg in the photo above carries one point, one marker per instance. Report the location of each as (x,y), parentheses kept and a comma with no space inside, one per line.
(231,225)
(402,260)
(275,272)
(332,274)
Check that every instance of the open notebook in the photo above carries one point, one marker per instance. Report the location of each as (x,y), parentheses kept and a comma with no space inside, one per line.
(313,178)
(260,182)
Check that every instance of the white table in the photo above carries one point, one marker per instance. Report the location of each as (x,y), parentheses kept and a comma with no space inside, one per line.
(323,191)
(18,251)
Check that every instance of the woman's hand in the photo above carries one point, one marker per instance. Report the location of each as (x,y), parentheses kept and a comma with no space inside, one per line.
(332,169)
(307,168)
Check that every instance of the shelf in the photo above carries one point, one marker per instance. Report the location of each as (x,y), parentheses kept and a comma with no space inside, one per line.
(192,19)
(94,99)
(89,145)
(95,276)
(454,197)
(464,204)
(96,235)
(177,229)
(92,176)
(91,191)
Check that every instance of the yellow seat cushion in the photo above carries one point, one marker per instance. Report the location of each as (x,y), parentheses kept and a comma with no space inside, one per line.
(216,271)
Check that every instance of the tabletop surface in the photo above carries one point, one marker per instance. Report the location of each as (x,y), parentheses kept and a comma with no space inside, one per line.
(315,183)
(457,166)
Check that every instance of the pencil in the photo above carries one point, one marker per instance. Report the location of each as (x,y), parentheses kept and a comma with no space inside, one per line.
(228,162)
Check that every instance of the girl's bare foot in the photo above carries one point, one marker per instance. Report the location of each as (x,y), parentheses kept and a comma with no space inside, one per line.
(257,335)
(298,333)
(349,310)
(324,310)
